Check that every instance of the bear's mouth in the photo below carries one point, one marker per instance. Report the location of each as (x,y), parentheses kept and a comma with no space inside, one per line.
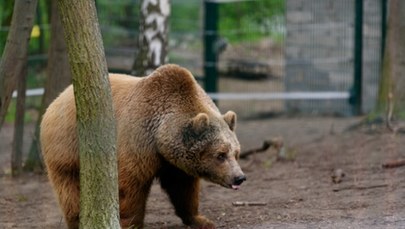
(235,187)
(237,181)
(231,186)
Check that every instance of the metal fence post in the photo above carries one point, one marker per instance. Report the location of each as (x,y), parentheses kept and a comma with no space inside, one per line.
(383,26)
(210,37)
(358,57)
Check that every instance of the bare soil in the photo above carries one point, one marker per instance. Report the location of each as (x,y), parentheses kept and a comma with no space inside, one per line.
(297,193)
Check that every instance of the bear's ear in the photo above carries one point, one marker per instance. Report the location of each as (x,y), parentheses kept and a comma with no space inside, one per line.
(230,119)
(200,122)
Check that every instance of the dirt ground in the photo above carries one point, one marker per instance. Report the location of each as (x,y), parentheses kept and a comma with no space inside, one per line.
(298,193)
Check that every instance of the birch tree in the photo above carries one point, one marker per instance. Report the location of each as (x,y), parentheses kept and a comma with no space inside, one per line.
(95,117)
(153,36)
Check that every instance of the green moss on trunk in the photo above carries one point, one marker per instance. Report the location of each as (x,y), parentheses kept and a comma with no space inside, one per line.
(95,117)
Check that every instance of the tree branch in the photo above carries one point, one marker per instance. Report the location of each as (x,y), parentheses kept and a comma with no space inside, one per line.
(15,51)
(275,142)
(393,164)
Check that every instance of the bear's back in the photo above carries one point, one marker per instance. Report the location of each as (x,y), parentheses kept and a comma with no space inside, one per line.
(139,105)
(58,126)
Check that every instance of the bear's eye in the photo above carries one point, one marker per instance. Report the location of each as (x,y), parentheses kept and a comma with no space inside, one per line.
(221,157)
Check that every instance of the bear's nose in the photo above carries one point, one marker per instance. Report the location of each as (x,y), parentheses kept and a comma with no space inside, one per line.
(239,180)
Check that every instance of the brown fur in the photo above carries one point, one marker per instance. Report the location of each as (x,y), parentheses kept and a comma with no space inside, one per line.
(167,128)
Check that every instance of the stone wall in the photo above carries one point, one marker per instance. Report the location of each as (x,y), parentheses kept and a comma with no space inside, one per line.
(319,52)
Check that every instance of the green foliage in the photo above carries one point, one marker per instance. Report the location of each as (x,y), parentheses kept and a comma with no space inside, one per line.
(39,42)
(258,11)
(238,21)
(10,116)
(251,20)
(185,16)
(28,117)
(119,21)
(36,72)
(35,79)
(6,12)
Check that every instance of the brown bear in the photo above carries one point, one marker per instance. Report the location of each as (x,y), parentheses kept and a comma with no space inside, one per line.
(168,128)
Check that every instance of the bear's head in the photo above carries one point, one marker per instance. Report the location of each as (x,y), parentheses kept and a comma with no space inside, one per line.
(203,145)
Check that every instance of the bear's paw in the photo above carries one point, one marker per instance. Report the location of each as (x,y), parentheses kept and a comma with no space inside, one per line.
(201,222)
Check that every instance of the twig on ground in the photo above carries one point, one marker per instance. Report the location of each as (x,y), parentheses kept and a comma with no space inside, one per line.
(356,187)
(277,143)
(247,203)
(393,164)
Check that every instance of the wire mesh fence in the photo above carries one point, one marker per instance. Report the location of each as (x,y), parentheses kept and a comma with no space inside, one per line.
(272,56)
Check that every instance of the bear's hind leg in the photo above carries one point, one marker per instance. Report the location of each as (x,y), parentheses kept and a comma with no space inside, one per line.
(66,186)
(183,191)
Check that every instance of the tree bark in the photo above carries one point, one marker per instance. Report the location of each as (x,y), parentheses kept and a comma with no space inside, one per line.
(393,78)
(95,118)
(58,78)
(153,36)
(15,51)
(18,139)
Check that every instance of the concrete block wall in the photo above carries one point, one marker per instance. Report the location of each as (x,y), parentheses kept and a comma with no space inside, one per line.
(319,52)
(371,53)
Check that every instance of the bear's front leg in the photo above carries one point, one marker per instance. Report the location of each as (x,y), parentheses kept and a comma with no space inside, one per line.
(133,203)
(183,191)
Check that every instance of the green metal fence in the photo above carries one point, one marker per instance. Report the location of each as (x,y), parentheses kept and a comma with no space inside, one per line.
(258,56)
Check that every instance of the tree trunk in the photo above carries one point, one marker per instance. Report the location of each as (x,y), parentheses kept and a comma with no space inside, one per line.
(95,117)
(393,77)
(58,78)
(153,36)
(18,139)
(15,51)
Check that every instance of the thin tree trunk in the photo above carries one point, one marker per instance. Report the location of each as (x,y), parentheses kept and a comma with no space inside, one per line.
(58,78)
(15,51)
(95,117)
(16,154)
(153,36)
(393,73)
(385,83)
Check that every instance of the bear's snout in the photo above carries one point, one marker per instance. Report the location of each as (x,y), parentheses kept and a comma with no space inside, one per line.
(237,181)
